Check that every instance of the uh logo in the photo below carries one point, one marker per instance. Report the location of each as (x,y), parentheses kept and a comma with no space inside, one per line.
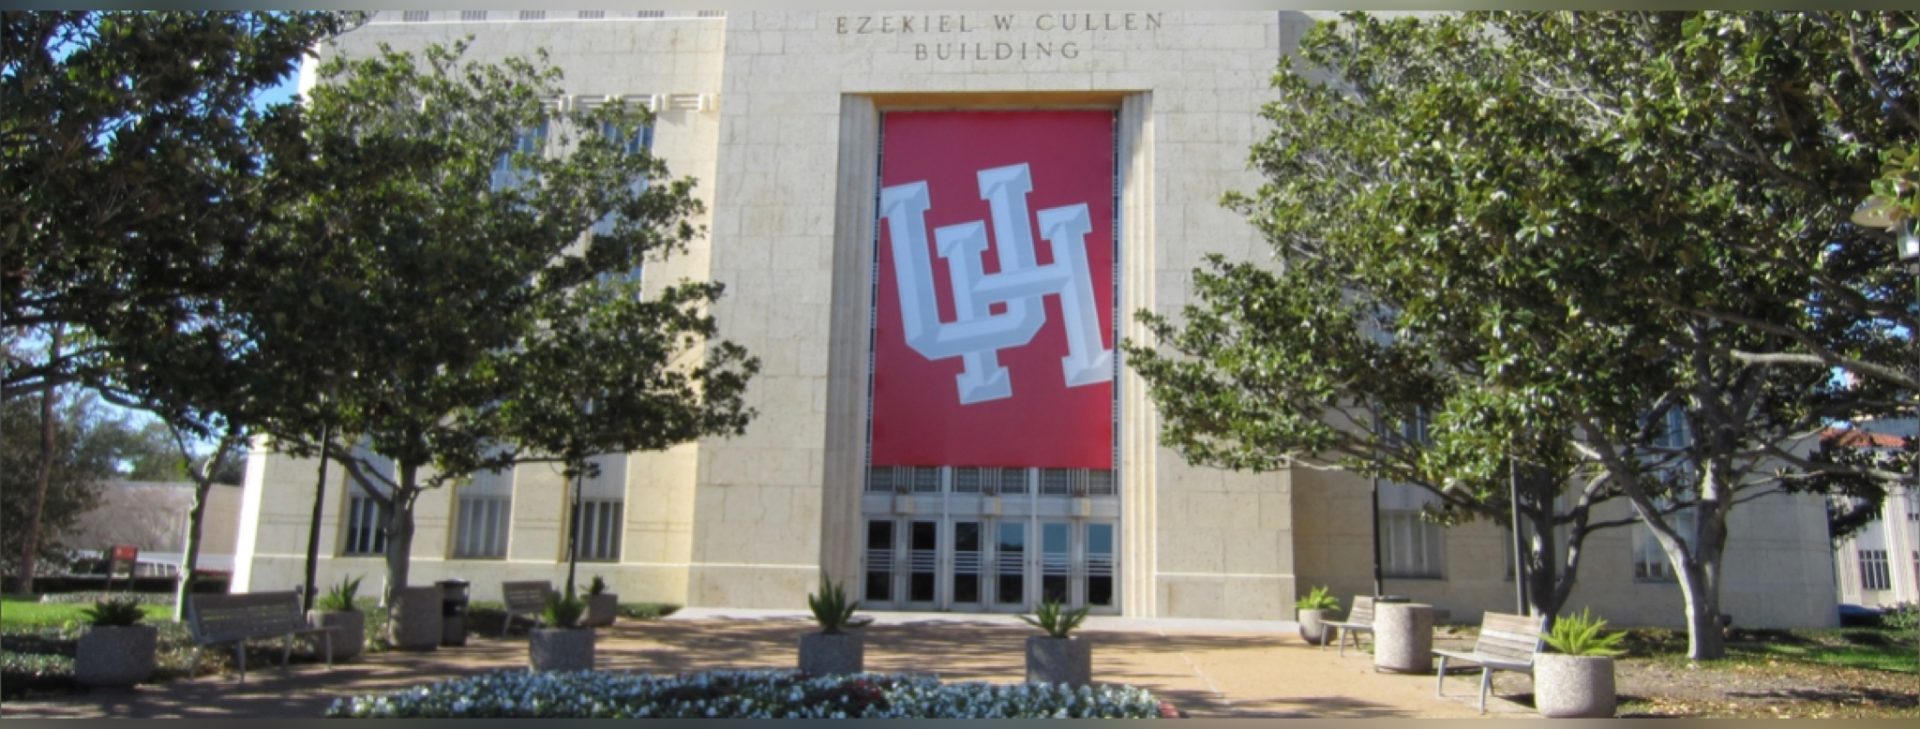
(977,335)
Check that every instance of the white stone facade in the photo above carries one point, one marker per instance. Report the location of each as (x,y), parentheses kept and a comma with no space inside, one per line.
(777,114)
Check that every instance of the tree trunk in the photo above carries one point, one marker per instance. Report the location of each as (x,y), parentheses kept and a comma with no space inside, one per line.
(1543,565)
(190,557)
(1699,572)
(313,521)
(43,476)
(400,533)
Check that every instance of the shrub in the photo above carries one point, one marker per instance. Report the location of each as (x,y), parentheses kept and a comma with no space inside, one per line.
(1052,618)
(1317,599)
(1904,617)
(830,607)
(647,610)
(339,598)
(117,612)
(744,694)
(597,586)
(144,598)
(24,674)
(1579,635)
(563,612)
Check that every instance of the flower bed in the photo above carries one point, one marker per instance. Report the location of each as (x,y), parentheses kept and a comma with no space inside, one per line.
(744,694)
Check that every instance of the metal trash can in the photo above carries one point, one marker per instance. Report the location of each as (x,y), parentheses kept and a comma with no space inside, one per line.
(453,612)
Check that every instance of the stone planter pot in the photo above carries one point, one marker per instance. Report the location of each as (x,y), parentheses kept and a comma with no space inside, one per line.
(1313,626)
(601,610)
(1059,660)
(348,630)
(560,649)
(115,655)
(825,655)
(415,624)
(1573,686)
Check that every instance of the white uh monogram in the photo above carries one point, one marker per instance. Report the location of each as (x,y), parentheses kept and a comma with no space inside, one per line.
(977,335)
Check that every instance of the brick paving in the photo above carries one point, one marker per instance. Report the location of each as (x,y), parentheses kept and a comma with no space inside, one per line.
(1214,669)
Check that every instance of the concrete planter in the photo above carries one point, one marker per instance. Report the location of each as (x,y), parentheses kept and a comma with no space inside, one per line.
(825,655)
(560,649)
(1313,626)
(416,619)
(115,655)
(1059,660)
(1573,686)
(601,610)
(348,629)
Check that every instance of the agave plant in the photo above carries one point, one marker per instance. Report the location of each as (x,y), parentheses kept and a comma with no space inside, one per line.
(597,586)
(830,607)
(1317,599)
(339,598)
(1580,635)
(563,611)
(115,612)
(1054,619)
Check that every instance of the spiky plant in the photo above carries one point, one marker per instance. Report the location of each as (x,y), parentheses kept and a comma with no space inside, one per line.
(114,613)
(1580,635)
(1054,619)
(597,586)
(830,606)
(339,598)
(563,611)
(1317,599)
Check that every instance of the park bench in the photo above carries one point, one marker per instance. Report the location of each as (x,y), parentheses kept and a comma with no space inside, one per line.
(1507,642)
(527,598)
(1359,620)
(237,618)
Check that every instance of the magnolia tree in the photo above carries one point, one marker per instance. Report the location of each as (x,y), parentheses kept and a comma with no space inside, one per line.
(1489,219)
(445,268)
(131,147)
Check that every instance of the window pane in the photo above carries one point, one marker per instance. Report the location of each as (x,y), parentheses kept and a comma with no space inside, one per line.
(879,581)
(1011,565)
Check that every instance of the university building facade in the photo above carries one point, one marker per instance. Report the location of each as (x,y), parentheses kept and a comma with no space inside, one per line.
(933,228)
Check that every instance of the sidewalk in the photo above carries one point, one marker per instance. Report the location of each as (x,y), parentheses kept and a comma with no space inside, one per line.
(1216,669)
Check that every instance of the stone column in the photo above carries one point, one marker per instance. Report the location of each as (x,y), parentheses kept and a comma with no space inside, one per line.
(1900,545)
(1403,637)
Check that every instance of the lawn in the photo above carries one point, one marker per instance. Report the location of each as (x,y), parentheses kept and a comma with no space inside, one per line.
(25,613)
(1877,649)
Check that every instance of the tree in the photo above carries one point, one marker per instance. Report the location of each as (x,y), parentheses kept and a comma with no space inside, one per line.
(1536,241)
(88,444)
(127,140)
(442,271)
(603,375)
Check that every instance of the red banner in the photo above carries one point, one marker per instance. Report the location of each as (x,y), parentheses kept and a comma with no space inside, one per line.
(994,339)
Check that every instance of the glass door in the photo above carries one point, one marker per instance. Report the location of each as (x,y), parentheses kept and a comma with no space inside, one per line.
(965,591)
(1056,563)
(1010,567)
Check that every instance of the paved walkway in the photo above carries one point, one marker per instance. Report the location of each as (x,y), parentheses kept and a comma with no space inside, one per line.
(1206,668)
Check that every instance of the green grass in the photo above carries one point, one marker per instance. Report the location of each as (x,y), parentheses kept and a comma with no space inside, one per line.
(647,610)
(21,613)
(1878,649)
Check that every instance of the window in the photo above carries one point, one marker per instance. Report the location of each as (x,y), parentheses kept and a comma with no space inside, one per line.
(713,13)
(1100,564)
(366,516)
(473,15)
(636,142)
(1410,546)
(533,15)
(1013,481)
(481,514)
(597,519)
(1874,572)
(508,172)
(593,14)
(413,16)
(650,14)
(1056,481)
(879,580)
(1649,559)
